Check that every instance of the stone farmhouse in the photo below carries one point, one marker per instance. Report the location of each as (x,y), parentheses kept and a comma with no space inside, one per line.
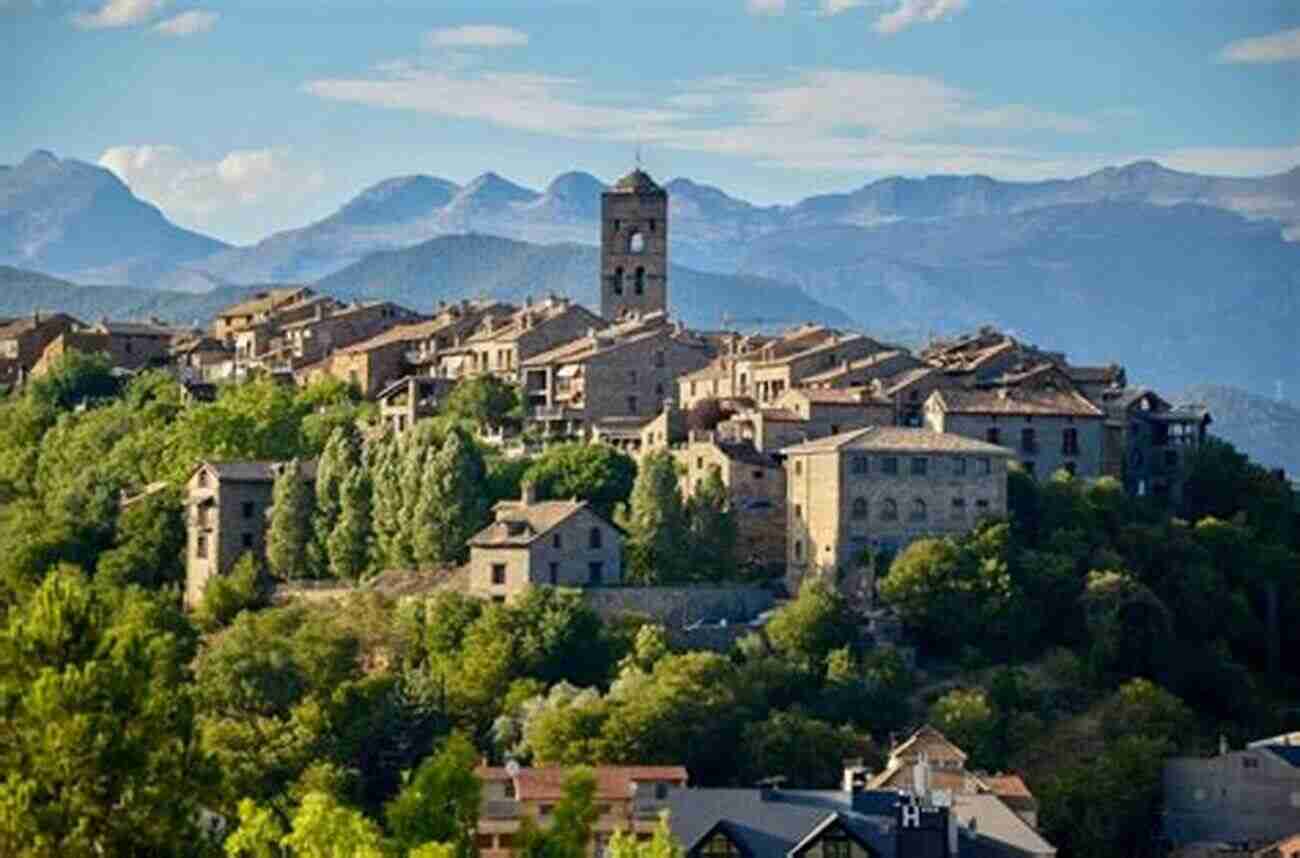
(628,798)
(129,345)
(880,487)
(226,505)
(557,543)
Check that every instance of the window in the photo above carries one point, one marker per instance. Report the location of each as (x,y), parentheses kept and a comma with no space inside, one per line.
(889,466)
(835,428)
(499,599)
(918,512)
(798,549)
(986,466)
(203,479)
(1249,763)
(659,359)
(699,463)
(1070,442)
(246,509)
(982,505)
(638,283)
(205,515)
(636,243)
(201,547)
(247,540)
(798,512)
(759,473)
(618,224)
(859,465)
(631,376)
(835,844)
(594,539)
(653,224)
(616,280)
(859,512)
(798,467)
(661,791)
(959,466)
(595,573)
(958,507)
(498,574)
(993,435)
(719,846)
(920,466)
(555,573)
(1028,441)
(510,789)
(889,510)
(557,541)
(631,405)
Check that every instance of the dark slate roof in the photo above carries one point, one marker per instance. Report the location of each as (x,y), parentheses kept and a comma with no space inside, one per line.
(255,471)
(745,453)
(770,828)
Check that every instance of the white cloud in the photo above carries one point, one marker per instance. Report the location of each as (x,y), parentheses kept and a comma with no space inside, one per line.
(1280,47)
(118,13)
(911,12)
(835,7)
(477,36)
(765,7)
(189,23)
(1233,160)
(195,189)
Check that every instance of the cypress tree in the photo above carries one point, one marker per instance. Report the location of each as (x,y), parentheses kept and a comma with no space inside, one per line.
(452,505)
(289,529)
(349,543)
(339,458)
(655,519)
(713,529)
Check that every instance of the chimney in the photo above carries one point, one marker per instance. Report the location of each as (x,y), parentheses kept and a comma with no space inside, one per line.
(528,492)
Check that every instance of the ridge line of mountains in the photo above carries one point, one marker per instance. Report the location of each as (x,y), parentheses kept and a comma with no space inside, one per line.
(1184,278)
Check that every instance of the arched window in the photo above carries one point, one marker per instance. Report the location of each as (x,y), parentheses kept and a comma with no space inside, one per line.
(889,510)
(616,280)
(636,242)
(594,538)
(859,509)
(639,283)
(918,510)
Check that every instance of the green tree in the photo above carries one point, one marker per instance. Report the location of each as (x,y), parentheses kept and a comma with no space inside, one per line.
(99,750)
(348,545)
(625,844)
(149,545)
(451,506)
(484,400)
(807,752)
(225,596)
(569,833)
(966,716)
(713,529)
(73,378)
(288,531)
(440,801)
(807,629)
(596,473)
(341,456)
(658,540)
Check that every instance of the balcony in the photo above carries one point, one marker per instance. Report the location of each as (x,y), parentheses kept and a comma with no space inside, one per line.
(500,808)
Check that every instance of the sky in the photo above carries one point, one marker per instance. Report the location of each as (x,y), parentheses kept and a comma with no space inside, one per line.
(241,118)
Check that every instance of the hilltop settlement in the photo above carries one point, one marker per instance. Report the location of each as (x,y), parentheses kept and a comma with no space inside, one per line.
(513,475)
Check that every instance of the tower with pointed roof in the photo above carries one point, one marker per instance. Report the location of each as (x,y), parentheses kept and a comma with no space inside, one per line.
(633,246)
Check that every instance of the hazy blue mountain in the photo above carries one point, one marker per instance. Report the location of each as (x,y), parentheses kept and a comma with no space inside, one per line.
(710,229)
(1265,428)
(1178,293)
(467,266)
(23,292)
(74,219)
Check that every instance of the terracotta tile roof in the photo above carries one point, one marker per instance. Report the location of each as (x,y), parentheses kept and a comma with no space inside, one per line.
(1016,401)
(261,302)
(835,342)
(546,783)
(900,439)
(1007,786)
(25,324)
(512,327)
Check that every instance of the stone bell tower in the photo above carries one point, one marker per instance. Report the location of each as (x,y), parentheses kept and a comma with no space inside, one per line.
(633,246)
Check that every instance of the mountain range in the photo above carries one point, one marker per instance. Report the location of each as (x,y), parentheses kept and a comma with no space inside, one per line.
(1182,277)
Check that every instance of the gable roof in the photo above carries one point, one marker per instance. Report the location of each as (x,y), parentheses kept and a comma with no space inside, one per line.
(900,439)
(773,824)
(262,302)
(1051,403)
(993,820)
(253,471)
(518,524)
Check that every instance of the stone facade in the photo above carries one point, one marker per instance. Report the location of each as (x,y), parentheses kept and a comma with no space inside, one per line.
(500,345)
(23,341)
(755,482)
(259,309)
(1148,442)
(226,517)
(1250,795)
(126,344)
(773,377)
(412,398)
(882,487)
(863,371)
(543,543)
(633,247)
(1049,430)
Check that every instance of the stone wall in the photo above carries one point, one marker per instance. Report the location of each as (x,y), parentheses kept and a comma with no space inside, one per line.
(680,606)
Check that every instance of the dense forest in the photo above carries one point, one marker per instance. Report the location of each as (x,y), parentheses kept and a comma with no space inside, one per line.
(1080,642)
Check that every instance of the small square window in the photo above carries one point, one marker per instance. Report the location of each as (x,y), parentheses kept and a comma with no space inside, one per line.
(498,573)
(247,540)
(798,512)
(247,509)
(959,466)
(557,541)
(758,473)
(860,465)
(555,573)
(920,466)
(889,466)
